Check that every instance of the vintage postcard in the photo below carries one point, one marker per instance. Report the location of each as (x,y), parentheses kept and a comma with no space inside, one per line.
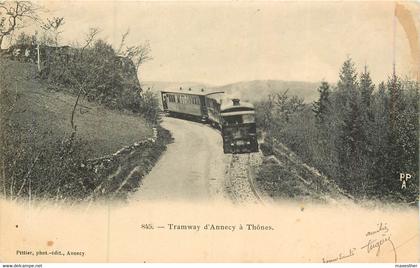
(203,131)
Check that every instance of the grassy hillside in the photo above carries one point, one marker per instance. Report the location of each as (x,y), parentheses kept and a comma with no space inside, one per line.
(43,159)
(37,104)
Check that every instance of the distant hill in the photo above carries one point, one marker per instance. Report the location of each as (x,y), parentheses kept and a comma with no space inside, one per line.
(246,90)
(259,89)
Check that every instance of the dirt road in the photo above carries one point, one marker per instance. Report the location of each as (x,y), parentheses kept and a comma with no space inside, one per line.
(192,168)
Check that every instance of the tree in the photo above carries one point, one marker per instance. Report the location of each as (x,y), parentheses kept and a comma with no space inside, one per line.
(279,112)
(139,54)
(53,26)
(24,39)
(79,74)
(402,151)
(122,43)
(351,140)
(149,106)
(264,113)
(380,141)
(14,15)
(409,139)
(321,108)
(347,108)
(366,90)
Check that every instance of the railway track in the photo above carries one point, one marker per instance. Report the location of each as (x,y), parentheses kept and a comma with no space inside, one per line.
(240,184)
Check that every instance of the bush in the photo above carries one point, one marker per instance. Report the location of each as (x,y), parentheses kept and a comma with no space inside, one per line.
(37,164)
(101,75)
(362,139)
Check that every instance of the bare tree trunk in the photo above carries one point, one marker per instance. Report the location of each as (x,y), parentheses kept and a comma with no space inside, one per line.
(38,58)
(74,109)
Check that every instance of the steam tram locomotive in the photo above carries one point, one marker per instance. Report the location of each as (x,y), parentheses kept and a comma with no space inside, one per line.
(235,119)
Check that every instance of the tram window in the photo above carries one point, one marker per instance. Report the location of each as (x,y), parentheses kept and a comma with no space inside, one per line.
(234,119)
(239,119)
(248,118)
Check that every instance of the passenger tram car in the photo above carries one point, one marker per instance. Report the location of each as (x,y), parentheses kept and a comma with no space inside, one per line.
(234,118)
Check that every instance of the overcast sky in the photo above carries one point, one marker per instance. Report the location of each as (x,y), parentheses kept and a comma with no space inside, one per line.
(219,43)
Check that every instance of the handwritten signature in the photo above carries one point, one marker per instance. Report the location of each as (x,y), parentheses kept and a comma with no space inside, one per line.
(376,239)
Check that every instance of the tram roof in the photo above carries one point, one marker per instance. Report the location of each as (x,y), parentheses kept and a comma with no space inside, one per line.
(241,106)
(191,91)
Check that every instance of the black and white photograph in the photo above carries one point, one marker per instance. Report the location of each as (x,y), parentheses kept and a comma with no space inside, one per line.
(209,131)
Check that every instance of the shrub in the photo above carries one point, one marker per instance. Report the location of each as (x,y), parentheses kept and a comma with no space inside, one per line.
(103,76)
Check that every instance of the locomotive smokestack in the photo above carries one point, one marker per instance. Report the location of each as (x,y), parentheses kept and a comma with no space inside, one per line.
(235,102)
